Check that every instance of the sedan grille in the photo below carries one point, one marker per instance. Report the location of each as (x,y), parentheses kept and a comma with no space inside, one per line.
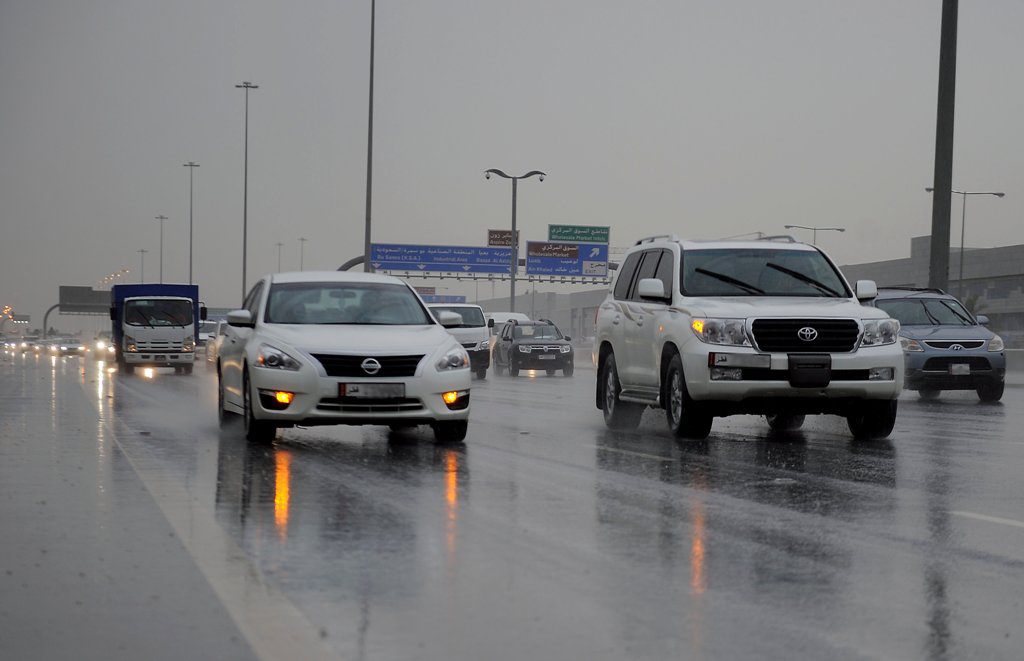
(949,344)
(790,335)
(352,366)
(359,405)
(977,363)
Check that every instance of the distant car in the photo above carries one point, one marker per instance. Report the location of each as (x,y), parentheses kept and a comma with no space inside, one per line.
(472,334)
(207,331)
(945,346)
(102,346)
(536,345)
(67,346)
(213,344)
(339,348)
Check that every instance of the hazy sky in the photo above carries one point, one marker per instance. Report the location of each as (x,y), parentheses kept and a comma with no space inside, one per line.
(707,118)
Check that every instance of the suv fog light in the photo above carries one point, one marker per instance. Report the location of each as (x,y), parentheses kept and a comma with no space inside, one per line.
(880,374)
(726,374)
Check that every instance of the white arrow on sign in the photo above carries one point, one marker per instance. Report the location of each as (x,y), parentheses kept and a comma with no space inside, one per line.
(466,267)
(421,266)
(376,265)
(594,252)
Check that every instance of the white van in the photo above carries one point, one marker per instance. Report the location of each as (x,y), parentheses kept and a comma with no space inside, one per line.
(472,333)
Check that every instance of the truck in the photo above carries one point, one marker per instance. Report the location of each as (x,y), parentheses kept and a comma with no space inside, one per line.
(155,325)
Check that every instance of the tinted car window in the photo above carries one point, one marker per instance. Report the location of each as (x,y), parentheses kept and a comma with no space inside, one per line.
(539,332)
(926,312)
(665,271)
(648,267)
(625,277)
(760,272)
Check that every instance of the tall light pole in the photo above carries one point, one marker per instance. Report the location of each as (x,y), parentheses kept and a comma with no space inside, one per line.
(938,260)
(246,85)
(367,266)
(161,218)
(302,247)
(142,264)
(278,244)
(191,167)
(515,237)
(815,230)
(963,225)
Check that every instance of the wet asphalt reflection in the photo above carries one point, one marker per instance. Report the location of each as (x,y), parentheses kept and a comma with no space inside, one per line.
(546,535)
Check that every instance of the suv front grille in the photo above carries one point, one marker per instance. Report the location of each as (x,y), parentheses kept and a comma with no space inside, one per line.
(351,366)
(977,363)
(781,335)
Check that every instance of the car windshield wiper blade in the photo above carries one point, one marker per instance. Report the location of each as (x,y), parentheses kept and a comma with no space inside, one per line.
(935,322)
(820,286)
(967,322)
(729,280)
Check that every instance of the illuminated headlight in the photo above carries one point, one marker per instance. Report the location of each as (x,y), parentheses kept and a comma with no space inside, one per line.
(565,349)
(731,332)
(63,348)
(81,347)
(110,349)
(129,344)
(525,348)
(996,343)
(910,344)
(455,358)
(273,358)
(24,345)
(189,344)
(101,345)
(878,332)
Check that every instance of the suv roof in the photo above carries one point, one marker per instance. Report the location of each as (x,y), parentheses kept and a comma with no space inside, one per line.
(766,243)
(913,292)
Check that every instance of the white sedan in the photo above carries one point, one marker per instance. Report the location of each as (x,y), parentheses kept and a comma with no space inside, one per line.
(317,348)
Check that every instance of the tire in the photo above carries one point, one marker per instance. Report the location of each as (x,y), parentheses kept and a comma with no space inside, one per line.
(498,369)
(991,392)
(872,419)
(223,415)
(481,373)
(551,372)
(450,431)
(928,394)
(685,420)
(256,431)
(567,371)
(187,369)
(617,413)
(127,368)
(785,421)
(513,369)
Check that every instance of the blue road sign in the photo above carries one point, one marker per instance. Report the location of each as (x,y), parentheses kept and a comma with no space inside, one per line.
(436,298)
(445,259)
(566,259)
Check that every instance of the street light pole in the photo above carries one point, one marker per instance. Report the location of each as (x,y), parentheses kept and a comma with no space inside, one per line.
(815,230)
(278,244)
(963,226)
(142,264)
(515,237)
(191,166)
(302,249)
(161,218)
(367,266)
(246,85)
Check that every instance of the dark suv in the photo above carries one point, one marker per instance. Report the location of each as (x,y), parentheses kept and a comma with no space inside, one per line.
(946,347)
(532,345)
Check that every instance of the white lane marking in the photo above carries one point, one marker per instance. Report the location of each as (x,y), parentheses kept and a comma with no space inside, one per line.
(991,519)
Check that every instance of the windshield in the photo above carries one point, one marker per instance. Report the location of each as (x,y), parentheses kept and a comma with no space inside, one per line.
(471,317)
(345,303)
(545,332)
(926,312)
(760,272)
(207,326)
(158,312)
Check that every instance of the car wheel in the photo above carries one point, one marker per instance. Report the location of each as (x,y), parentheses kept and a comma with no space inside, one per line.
(257,431)
(551,372)
(928,394)
(872,419)
(684,418)
(450,431)
(187,369)
(223,415)
(785,421)
(513,369)
(991,392)
(567,370)
(481,373)
(617,413)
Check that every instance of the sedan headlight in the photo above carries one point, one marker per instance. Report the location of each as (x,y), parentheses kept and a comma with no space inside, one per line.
(996,344)
(273,358)
(455,358)
(878,332)
(101,345)
(731,332)
(910,344)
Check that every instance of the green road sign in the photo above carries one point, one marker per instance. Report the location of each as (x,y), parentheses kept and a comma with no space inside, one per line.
(581,233)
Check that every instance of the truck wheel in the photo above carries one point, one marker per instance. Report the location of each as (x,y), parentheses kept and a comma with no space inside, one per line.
(187,369)
(785,421)
(872,419)
(685,420)
(256,431)
(991,392)
(127,368)
(617,413)
(551,372)
(450,431)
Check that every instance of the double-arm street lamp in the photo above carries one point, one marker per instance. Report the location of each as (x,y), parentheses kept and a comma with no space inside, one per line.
(191,167)
(963,224)
(246,85)
(815,230)
(515,239)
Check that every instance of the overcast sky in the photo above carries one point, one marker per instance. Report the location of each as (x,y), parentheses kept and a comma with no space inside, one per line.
(706,118)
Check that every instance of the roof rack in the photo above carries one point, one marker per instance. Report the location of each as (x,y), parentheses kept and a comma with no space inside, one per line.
(656,237)
(777,237)
(920,290)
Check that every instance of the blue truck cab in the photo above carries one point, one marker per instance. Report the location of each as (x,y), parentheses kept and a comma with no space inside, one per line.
(155,325)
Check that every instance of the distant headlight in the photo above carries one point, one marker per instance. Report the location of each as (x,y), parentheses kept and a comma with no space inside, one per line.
(24,344)
(878,332)
(271,357)
(63,348)
(455,359)
(910,344)
(110,349)
(996,344)
(101,345)
(730,332)
(129,344)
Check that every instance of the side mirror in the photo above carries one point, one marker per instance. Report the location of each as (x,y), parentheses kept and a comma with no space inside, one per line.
(651,288)
(982,319)
(568,339)
(450,319)
(113,314)
(490,323)
(240,319)
(866,290)
(202,313)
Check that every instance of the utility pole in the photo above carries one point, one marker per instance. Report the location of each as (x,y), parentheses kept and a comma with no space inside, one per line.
(191,166)
(278,244)
(367,266)
(302,249)
(142,264)
(938,266)
(161,218)
(246,85)
(515,237)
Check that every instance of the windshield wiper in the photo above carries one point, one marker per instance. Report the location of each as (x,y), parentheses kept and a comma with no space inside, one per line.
(935,322)
(750,289)
(967,322)
(820,286)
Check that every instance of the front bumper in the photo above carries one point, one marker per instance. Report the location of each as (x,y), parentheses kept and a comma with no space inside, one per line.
(934,370)
(536,360)
(159,359)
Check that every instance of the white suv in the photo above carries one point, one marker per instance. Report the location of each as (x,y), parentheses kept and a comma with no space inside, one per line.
(322,348)
(706,329)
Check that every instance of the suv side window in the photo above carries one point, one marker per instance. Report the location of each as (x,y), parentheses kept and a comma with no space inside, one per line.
(664,272)
(647,269)
(625,279)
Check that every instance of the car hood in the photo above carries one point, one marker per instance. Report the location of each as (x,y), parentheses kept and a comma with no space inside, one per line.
(780,306)
(359,339)
(946,332)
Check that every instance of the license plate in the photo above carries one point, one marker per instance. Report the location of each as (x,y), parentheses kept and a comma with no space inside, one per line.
(372,390)
(546,357)
(960,368)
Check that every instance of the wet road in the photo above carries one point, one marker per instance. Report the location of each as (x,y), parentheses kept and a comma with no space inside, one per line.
(135,528)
